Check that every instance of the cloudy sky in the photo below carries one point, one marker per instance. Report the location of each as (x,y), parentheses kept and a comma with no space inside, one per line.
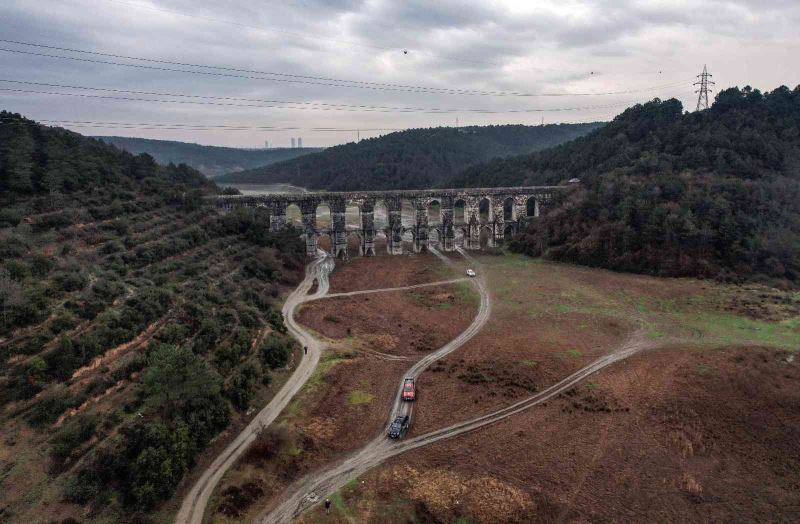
(236,72)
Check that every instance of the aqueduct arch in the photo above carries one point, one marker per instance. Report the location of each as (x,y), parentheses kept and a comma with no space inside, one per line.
(494,213)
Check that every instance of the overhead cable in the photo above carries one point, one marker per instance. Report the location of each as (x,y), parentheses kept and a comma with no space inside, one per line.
(273,104)
(298,79)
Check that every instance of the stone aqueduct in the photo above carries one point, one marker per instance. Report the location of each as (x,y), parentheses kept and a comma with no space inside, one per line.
(498,212)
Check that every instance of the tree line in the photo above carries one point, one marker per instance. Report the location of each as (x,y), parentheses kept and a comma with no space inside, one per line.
(412,159)
(103,251)
(711,193)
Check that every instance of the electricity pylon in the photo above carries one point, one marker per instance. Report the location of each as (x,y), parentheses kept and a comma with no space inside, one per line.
(704,82)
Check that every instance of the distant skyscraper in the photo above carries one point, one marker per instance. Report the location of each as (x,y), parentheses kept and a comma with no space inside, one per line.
(299,141)
(294,144)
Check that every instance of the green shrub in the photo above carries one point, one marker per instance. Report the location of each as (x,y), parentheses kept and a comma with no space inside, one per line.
(15,246)
(276,350)
(174,333)
(176,375)
(68,281)
(228,355)
(9,217)
(110,247)
(240,387)
(17,270)
(63,322)
(82,488)
(35,343)
(275,319)
(71,435)
(56,220)
(47,409)
(41,265)
(248,316)
(98,386)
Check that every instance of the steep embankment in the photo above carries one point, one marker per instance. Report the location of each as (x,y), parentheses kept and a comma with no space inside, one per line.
(210,160)
(411,159)
(136,325)
(711,193)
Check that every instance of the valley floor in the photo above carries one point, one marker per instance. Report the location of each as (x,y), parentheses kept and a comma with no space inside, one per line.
(699,426)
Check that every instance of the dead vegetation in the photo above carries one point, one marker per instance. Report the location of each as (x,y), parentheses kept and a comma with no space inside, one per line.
(699,430)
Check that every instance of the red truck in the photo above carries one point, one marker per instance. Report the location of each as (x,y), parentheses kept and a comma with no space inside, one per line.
(409,389)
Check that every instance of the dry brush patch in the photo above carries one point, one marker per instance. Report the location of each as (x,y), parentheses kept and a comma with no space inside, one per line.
(548,320)
(387,271)
(347,401)
(696,430)
(397,322)
(674,434)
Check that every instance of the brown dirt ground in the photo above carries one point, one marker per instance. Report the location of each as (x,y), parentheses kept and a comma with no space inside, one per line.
(577,458)
(548,320)
(672,435)
(395,322)
(348,402)
(510,359)
(535,337)
(387,271)
(401,324)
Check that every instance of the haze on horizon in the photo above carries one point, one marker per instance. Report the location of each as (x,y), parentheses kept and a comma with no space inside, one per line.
(546,46)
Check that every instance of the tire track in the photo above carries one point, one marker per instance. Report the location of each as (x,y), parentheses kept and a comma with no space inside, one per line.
(306,492)
(388,289)
(309,490)
(195,502)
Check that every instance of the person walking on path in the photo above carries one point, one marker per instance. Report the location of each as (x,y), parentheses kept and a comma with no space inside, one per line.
(327,506)
(305,350)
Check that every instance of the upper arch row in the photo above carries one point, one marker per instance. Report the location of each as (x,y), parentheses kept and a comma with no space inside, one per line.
(421,198)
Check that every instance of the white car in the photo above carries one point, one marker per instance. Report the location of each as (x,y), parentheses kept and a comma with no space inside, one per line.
(471,273)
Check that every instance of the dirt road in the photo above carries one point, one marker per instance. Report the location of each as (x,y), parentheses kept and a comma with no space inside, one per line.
(308,491)
(194,504)
(380,448)
(484,311)
(402,288)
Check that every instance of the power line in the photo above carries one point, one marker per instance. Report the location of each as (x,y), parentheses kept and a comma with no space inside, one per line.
(273,104)
(292,78)
(190,127)
(404,49)
(704,82)
(306,36)
(212,127)
(221,68)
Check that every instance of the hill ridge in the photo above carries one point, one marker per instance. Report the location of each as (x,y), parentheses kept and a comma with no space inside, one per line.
(411,159)
(209,160)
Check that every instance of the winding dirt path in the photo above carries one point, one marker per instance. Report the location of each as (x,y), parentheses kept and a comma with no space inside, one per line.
(310,490)
(195,502)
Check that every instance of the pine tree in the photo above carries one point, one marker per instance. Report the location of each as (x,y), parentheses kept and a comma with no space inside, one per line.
(53,177)
(18,156)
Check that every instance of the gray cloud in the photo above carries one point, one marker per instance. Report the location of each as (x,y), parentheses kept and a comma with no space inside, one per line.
(562,46)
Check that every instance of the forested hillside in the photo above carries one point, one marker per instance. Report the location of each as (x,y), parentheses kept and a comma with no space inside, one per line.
(412,159)
(210,160)
(713,193)
(136,324)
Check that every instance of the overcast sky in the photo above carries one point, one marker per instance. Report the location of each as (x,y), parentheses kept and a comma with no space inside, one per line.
(466,56)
